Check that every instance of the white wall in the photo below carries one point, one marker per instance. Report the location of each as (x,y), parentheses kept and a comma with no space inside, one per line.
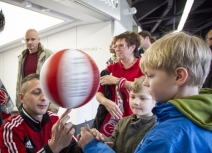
(94,39)
(118,28)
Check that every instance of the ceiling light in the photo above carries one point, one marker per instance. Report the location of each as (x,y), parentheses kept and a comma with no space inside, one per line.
(27,4)
(186,11)
(130,11)
(30,21)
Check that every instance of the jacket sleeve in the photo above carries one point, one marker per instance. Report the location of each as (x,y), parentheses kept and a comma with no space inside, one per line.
(115,134)
(71,148)
(11,140)
(97,147)
(152,143)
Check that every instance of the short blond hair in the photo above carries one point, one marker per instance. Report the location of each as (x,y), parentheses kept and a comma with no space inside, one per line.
(137,84)
(179,50)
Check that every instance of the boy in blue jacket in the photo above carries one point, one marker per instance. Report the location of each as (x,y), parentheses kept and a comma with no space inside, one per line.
(176,67)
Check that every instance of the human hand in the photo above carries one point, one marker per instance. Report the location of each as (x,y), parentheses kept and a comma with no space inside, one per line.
(108,80)
(110,144)
(84,137)
(62,133)
(113,109)
(97,135)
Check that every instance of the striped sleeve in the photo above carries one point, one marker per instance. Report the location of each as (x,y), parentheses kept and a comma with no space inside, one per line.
(12,142)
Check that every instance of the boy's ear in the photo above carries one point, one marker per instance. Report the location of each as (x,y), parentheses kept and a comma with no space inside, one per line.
(181,75)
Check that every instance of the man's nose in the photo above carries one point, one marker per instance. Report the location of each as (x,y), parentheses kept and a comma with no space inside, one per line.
(43,97)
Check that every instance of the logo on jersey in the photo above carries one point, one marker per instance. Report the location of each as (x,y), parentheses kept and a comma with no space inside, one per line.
(29,144)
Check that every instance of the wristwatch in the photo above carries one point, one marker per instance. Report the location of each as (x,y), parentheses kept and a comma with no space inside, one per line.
(117,81)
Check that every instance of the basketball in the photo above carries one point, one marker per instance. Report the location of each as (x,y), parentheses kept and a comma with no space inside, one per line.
(69,78)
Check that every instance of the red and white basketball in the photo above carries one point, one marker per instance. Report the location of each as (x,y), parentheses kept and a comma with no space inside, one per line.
(69,78)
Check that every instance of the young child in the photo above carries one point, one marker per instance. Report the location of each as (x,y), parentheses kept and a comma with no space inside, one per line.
(131,129)
(175,66)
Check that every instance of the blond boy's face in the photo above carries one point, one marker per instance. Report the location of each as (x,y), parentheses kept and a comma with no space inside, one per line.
(162,86)
(142,103)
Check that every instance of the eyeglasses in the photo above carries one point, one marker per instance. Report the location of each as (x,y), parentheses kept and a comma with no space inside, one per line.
(121,46)
(209,39)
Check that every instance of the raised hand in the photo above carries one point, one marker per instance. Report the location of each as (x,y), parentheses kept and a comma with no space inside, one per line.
(62,133)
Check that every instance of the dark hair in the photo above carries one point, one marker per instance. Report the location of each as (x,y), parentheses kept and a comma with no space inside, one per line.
(145,33)
(28,78)
(2,21)
(131,38)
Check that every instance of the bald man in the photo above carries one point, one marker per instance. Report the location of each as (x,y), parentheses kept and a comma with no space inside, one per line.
(30,61)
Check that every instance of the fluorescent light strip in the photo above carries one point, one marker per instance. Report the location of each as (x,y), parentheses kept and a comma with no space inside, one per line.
(20,19)
(186,11)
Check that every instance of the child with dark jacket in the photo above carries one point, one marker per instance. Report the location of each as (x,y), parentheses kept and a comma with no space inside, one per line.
(131,129)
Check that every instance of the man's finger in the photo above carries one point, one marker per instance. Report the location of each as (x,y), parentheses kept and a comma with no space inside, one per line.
(87,127)
(78,137)
(65,113)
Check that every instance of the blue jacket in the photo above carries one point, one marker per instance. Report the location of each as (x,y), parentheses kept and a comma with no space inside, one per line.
(184,126)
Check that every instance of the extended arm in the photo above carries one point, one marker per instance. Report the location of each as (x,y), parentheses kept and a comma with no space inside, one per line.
(110,105)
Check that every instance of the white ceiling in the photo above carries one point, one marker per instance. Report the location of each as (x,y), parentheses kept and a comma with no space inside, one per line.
(69,13)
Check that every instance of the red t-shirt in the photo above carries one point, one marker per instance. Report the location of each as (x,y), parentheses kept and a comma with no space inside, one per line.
(129,74)
(30,64)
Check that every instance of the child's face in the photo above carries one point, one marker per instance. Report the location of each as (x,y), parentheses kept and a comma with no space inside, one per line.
(142,103)
(162,86)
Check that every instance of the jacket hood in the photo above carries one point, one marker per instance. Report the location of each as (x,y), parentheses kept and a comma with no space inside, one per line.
(197,108)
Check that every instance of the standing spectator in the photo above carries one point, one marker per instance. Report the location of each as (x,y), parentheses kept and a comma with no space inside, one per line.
(2,21)
(114,58)
(30,61)
(146,40)
(126,48)
(209,38)
(208,80)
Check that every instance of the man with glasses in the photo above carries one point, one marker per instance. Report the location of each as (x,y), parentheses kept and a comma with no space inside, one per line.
(30,61)
(209,38)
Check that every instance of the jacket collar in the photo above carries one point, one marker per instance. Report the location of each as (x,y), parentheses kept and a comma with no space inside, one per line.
(164,111)
(134,66)
(40,50)
(34,124)
(141,121)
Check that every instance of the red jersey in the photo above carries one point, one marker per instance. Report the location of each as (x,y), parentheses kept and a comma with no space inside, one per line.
(129,74)
(21,133)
